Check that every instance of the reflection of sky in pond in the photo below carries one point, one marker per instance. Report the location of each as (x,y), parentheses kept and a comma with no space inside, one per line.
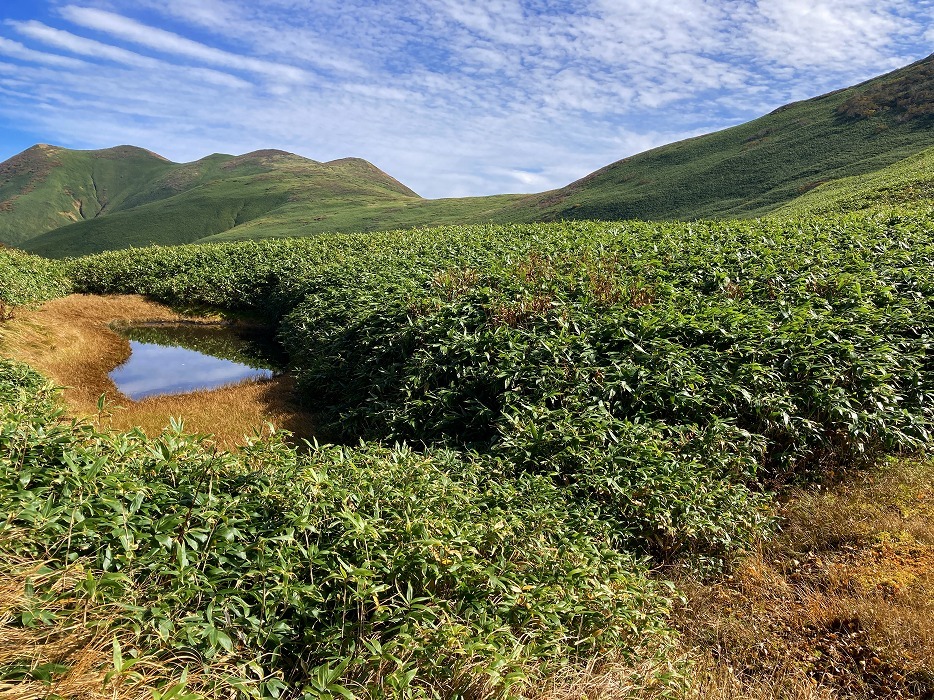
(158,369)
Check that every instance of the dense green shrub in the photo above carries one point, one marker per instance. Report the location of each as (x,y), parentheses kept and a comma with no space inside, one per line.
(907,97)
(698,362)
(381,571)
(28,279)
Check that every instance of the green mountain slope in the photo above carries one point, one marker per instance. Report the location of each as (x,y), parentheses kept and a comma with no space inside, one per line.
(907,182)
(197,200)
(57,202)
(297,219)
(750,169)
(46,187)
(744,171)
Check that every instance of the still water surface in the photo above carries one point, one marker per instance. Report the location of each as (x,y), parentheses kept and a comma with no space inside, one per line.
(179,359)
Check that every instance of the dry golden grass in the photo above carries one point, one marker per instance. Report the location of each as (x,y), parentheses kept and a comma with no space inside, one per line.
(65,656)
(606,679)
(841,605)
(70,341)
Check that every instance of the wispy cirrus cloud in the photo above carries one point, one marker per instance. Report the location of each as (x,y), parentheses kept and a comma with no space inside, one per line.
(16,50)
(167,42)
(90,48)
(452,98)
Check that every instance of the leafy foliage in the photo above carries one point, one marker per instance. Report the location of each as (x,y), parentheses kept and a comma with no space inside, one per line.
(578,395)
(664,372)
(376,571)
(906,95)
(27,279)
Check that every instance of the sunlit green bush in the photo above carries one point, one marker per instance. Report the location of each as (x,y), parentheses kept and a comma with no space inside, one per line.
(701,362)
(27,279)
(381,571)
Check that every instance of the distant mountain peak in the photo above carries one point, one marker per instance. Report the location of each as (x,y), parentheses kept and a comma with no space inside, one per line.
(266,157)
(127,151)
(364,166)
(269,153)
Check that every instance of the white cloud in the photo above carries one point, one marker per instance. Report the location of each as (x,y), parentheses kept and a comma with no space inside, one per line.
(14,49)
(451,98)
(168,42)
(98,50)
(830,34)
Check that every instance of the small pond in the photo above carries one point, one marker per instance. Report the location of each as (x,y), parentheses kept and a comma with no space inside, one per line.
(178,358)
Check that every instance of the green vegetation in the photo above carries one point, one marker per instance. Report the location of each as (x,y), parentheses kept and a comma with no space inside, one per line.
(580,350)
(68,203)
(750,169)
(46,187)
(28,279)
(909,182)
(378,571)
(581,401)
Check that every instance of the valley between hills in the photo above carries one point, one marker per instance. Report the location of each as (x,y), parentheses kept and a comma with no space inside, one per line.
(662,433)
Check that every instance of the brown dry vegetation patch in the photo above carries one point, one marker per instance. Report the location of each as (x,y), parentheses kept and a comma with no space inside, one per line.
(840,606)
(70,341)
(65,648)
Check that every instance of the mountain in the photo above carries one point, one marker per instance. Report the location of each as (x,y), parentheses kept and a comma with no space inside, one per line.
(46,187)
(182,203)
(750,169)
(58,202)
(909,182)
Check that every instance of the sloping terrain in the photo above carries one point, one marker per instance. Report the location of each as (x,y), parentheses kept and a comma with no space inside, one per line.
(210,196)
(46,187)
(750,169)
(907,182)
(61,203)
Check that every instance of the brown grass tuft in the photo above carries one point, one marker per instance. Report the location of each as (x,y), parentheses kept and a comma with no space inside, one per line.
(70,341)
(70,653)
(614,679)
(840,605)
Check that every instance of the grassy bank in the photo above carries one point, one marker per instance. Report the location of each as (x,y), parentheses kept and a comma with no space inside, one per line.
(71,342)
(839,604)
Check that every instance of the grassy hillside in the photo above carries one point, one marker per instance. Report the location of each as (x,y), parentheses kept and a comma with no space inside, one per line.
(747,170)
(752,168)
(201,199)
(46,187)
(907,182)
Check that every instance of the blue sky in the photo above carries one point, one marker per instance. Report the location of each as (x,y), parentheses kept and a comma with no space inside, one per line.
(452,97)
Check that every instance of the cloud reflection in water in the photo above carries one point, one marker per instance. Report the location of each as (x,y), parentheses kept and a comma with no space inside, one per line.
(158,369)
